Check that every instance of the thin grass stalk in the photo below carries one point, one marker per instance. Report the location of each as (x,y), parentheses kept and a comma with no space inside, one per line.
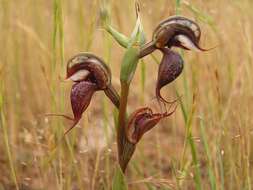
(107,137)
(54,58)
(197,175)
(57,35)
(189,139)
(178,7)
(158,152)
(221,168)
(5,37)
(208,154)
(73,164)
(90,32)
(143,80)
(7,145)
(107,55)
(188,122)
(95,174)
(81,19)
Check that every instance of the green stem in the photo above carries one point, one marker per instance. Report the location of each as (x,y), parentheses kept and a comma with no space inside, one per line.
(125,148)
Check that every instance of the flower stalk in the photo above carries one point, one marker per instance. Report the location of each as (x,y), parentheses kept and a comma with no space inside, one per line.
(128,67)
(125,147)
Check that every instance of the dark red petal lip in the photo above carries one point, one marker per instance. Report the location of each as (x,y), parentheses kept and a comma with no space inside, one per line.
(141,121)
(81,94)
(170,68)
(80,97)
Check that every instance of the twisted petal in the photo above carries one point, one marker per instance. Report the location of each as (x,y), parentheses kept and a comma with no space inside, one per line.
(80,97)
(170,68)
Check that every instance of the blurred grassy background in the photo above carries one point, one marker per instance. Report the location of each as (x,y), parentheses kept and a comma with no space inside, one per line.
(206,144)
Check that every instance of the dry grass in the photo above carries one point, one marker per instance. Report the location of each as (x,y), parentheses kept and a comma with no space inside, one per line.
(206,144)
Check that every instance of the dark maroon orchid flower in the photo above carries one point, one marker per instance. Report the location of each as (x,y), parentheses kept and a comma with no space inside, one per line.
(89,74)
(141,121)
(176,31)
(170,68)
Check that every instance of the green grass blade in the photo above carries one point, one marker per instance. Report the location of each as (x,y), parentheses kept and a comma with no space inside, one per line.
(221,168)
(178,7)
(6,139)
(208,154)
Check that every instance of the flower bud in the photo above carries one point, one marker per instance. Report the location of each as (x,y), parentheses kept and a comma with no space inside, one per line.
(170,68)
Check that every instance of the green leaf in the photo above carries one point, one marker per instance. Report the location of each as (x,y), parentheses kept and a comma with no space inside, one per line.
(119,37)
(119,182)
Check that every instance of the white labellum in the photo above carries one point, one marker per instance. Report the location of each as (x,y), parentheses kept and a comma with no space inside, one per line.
(187,43)
(79,75)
